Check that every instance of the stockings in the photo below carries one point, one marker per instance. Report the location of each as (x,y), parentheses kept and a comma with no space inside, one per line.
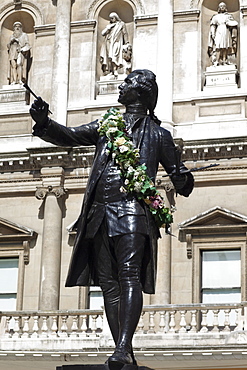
(119,261)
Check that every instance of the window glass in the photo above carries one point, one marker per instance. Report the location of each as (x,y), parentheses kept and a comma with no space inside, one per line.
(8,283)
(221,269)
(95,298)
(221,280)
(96,302)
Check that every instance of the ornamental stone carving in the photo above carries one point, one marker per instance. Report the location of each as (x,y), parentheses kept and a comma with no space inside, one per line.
(19,54)
(222,36)
(42,192)
(116,51)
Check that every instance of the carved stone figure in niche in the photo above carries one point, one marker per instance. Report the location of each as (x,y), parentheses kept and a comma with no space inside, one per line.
(19,53)
(222,36)
(127,55)
(111,54)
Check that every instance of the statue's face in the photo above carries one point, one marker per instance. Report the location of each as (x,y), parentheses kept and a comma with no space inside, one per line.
(17,28)
(113,19)
(222,8)
(128,90)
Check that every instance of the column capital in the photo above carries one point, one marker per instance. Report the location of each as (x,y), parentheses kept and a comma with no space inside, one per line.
(42,191)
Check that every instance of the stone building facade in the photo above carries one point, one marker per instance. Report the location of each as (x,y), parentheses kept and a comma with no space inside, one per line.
(197,318)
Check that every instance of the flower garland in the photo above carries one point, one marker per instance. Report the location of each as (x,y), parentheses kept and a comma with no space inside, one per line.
(133,173)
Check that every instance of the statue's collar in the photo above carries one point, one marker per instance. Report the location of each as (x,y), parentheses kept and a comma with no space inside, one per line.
(134,114)
(136,109)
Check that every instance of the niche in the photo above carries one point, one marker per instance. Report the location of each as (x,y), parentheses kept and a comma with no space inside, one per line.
(224,73)
(6,32)
(107,83)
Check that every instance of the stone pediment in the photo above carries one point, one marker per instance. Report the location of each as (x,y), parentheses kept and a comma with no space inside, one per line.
(214,220)
(10,230)
(16,238)
(215,216)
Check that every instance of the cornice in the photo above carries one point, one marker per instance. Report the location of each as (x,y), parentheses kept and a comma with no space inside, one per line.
(36,158)
(190,15)
(82,157)
(243,10)
(214,149)
(76,27)
(146,20)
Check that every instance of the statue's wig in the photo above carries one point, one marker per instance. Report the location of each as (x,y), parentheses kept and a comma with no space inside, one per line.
(147,89)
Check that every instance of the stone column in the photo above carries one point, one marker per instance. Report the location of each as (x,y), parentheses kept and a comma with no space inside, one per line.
(163,283)
(164,70)
(242,49)
(60,76)
(52,237)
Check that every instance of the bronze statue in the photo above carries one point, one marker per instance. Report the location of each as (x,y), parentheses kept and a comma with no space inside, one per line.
(116,244)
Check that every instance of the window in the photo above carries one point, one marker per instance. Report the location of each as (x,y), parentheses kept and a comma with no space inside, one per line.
(216,243)
(95,298)
(15,243)
(221,276)
(8,283)
(95,302)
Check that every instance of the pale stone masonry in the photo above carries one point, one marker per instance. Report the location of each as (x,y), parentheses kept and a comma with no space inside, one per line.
(42,186)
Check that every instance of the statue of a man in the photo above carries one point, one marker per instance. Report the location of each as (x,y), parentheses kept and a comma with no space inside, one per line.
(222,36)
(111,56)
(116,244)
(127,56)
(19,52)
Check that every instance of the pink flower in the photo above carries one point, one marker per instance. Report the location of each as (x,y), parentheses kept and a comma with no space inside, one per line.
(156,204)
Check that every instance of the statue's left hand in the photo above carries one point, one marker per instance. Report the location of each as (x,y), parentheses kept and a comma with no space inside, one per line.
(179,181)
(39,111)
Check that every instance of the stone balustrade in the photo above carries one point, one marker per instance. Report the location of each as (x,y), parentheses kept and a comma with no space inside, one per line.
(194,318)
(51,324)
(205,334)
(165,320)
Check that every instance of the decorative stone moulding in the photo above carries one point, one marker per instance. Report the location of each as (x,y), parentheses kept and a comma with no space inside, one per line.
(15,239)
(107,86)
(214,222)
(42,192)
(13,96)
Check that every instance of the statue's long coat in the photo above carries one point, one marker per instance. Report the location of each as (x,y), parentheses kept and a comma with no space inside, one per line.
(112,47)
(156,147)
(20,52)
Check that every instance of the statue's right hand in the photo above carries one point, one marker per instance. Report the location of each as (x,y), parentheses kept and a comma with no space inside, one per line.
(39,111)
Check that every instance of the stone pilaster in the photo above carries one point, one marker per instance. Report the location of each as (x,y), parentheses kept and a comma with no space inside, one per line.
(242,49)
(60,77)
(163,283)
(164,69)
(52,237)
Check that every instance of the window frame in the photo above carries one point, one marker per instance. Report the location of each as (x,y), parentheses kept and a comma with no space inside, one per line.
(16,251)
(213,245)
(215,229)
(18,270)
(16,241)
